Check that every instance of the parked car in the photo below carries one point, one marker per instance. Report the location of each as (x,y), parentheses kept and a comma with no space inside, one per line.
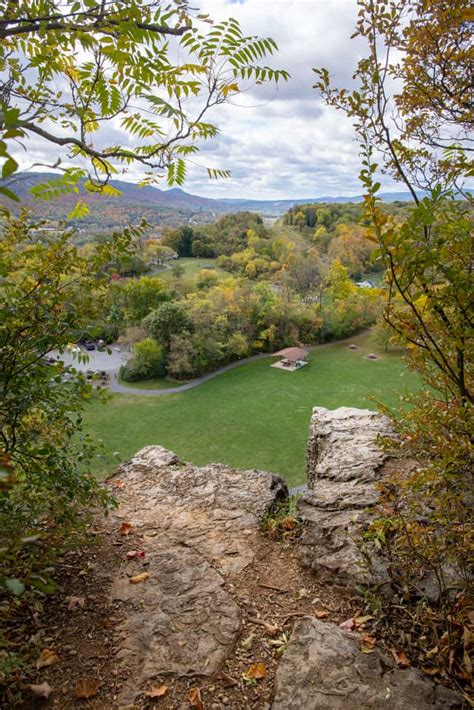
(89,345)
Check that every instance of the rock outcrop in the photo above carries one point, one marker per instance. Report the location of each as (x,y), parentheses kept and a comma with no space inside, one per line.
(199,527)
(324,669)
(343,467)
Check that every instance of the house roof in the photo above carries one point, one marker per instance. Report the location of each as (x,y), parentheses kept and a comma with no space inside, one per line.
(292,353)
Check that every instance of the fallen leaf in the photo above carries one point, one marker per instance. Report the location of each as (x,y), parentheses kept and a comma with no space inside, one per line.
(401,659)
(256,671)
(118,483)
(369,641)
(139,578)
(361,620)
(302,594)
(157,691)
(41,690)
(321,613)
(125,528)
(367,649)
(430,671)
(47,658)
(194,697)
(247,643)
(87,688)
(432,652)
(135,553)
(347,625)
(75,602)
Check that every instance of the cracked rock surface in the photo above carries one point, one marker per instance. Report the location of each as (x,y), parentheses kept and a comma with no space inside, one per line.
(324,669)
(199,527)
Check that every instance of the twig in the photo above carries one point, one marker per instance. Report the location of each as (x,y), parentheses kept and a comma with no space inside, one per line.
(269,627)
(293,614)
(274,589)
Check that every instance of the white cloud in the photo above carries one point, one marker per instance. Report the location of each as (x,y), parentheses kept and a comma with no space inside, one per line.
(280,143)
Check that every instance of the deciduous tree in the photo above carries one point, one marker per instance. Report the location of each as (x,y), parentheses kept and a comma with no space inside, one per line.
(71,71)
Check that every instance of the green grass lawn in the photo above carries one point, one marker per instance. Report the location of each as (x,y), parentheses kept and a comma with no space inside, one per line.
(192,267)
(254,416)
(159,384)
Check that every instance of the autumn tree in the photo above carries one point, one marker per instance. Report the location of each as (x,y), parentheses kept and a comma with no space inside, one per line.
(412,112)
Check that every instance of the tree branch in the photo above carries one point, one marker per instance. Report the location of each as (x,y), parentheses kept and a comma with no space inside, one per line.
(104,27)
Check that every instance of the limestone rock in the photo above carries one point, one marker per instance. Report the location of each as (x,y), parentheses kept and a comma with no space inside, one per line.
(343,464)
(200,526)
(324,669)
(342,446)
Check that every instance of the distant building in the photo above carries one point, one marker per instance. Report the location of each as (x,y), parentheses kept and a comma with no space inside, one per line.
(365,284)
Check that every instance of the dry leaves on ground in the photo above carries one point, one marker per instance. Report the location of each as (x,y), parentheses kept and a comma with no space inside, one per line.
(194,697)
(321,613)
(255,672)
(41,690)
(125,528)
(139,578)
(401,659)
(87,688)
(74,602)
(47,658)
(157,691)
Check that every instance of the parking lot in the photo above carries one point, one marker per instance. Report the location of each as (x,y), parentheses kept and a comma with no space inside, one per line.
(97,359)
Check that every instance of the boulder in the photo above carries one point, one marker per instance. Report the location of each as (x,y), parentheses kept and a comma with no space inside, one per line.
(323,668)
(199,528)
(343,467)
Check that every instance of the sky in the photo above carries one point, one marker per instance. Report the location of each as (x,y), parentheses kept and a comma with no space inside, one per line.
(285,143)
(279,143)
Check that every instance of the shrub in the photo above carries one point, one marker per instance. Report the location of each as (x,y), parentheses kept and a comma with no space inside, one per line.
(147,362)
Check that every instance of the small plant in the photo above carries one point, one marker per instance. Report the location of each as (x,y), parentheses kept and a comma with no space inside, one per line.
(280,644)
(282,520)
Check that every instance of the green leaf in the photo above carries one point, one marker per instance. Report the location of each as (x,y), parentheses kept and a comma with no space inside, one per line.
(9,167)
(8,193)
(15,586)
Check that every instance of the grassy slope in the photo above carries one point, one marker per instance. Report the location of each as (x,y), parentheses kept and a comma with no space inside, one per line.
(192,267)
(159,384)
(254,416)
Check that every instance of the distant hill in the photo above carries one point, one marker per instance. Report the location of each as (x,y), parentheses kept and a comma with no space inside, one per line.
(158,207)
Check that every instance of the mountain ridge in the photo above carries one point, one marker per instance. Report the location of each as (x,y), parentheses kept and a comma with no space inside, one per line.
(177,198)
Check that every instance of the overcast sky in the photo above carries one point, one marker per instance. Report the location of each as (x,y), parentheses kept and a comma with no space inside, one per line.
(279,143)
(285,143)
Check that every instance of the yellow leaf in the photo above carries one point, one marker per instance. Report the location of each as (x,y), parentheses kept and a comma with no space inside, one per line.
(139,578)
(157,691)
(256,671)
(47,658)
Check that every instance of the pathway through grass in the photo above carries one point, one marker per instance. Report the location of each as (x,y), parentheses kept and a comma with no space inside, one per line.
(254,416)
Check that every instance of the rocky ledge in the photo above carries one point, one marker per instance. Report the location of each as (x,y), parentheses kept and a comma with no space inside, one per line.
(344,463)
(324,669)
(200,529)
(200,526)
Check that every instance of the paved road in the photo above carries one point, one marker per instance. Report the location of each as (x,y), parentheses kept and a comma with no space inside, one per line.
(116,387)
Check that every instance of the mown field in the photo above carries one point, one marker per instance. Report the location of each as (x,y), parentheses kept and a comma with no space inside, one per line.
(254,416)
(192,267)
